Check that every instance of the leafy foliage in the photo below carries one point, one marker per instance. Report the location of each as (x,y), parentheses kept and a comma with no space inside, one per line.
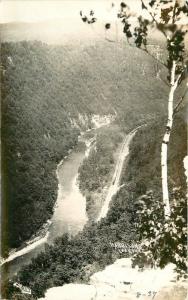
(140,33)
(163,240)
(89,20)
(143,173)
(165,20)
(164,16)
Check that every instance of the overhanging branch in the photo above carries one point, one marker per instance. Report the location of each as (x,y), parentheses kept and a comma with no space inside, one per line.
(149,53)
(154,20)
(176,108)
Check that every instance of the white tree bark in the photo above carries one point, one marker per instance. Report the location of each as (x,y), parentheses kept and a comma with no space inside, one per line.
(166,138)
(185,162)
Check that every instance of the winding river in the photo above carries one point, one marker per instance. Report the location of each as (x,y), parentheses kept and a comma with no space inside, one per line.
(69,214)
(70,210)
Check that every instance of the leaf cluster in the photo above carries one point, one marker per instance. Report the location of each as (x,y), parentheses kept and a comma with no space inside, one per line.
(163,240)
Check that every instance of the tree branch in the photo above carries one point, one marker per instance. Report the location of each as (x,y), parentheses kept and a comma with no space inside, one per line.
(164,81)
(180,80)
(153,56)
(111,41)
(176,108)
(174,12)
(150,54)
(154,20)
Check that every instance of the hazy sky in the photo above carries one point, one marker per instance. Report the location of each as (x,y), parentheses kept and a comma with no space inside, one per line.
(33,10)
(64,19)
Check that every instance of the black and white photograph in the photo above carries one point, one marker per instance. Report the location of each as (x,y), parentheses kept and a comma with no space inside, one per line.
(94,161)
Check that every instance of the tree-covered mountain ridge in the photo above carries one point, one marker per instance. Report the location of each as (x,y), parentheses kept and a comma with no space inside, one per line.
(49,95)
(54,32)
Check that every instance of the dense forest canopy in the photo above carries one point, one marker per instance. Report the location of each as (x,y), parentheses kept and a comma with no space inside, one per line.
(45,88)
(60,264)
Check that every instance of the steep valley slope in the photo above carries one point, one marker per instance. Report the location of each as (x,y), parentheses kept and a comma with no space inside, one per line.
(49,95)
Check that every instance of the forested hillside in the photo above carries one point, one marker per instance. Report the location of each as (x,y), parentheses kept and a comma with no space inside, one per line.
(48,93)
(96,170)
(94,246)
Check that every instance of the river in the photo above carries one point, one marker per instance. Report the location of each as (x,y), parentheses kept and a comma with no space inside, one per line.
(69,214)
(70,209)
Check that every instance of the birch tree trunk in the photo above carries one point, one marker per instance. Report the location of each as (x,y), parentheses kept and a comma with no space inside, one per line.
(166,138)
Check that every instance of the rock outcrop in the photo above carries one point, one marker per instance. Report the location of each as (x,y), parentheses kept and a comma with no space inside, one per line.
(120,281)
